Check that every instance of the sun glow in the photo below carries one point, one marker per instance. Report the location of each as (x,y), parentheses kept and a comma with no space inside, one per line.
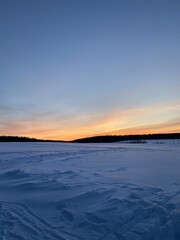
(159,118)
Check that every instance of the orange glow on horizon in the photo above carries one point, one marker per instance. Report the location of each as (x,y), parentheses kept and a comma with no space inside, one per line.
(68,136)
(152,119)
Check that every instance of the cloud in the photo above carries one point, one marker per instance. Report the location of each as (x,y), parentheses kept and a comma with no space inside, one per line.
(172,126)
(50,124)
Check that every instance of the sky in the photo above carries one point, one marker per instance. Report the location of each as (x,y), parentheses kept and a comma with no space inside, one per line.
(79,68)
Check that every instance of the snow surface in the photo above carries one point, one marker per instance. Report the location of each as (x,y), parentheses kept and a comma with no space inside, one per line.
(90,191)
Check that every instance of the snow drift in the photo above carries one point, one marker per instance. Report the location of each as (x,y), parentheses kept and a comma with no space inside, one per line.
(89,191)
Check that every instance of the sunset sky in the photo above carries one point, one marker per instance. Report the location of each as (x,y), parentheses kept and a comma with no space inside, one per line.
(77,68)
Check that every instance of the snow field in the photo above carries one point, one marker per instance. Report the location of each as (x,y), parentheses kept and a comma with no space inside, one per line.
(89,191)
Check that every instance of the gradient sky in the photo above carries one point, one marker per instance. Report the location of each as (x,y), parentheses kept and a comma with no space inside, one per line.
(77,68)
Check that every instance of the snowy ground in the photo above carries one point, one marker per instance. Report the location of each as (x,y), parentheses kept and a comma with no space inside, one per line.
(74,191)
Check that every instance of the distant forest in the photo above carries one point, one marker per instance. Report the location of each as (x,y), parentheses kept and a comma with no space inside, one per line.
(99,139)
(136,138)
(24,139)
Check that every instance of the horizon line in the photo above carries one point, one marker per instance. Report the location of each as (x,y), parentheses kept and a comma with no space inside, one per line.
(90,137)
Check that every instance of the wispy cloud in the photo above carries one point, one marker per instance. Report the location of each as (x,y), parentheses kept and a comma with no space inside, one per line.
(49,124)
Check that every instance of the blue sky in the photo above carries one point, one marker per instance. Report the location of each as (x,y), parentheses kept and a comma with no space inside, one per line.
(78,68)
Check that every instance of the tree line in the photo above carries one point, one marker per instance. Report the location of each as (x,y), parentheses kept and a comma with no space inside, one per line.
(24,139)
(137,137)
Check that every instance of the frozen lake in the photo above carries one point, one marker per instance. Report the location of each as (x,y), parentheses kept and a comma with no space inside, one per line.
(71,191)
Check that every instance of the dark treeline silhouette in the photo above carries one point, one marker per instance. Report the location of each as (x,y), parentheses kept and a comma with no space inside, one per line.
(99,139)
(24,139)
(136,138)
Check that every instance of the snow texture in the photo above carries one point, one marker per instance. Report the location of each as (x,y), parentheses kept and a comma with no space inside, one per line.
(66,191)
